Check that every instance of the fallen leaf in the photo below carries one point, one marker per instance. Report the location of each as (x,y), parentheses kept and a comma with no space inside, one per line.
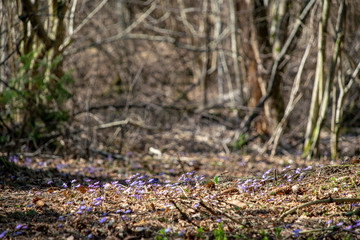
(210,185)
(237,203)
(82,189)
(35,199)
(40,203)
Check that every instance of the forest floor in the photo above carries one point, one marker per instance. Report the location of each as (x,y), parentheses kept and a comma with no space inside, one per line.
(180,196)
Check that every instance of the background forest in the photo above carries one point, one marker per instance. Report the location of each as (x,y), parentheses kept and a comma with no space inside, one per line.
(179,119)
(86,77)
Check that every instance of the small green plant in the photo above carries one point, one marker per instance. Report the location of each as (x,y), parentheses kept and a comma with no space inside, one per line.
(278,232)
(219,233)
(200,233)
(34,98)
(163,234)
(216,179)
(239,143)
(264,234)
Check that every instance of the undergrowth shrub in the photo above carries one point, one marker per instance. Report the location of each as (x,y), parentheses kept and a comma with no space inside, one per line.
(32,101)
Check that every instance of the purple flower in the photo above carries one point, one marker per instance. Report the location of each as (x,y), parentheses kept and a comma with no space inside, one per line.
(296,232)
(50,182)
(13,159)
(74,180)
(181,177)
(329,222)
(218,220)
(127,211)
(266,173)
(357,224)
(181,233)
(339,224)
(285,168)
(18,227)
(167,230)
(307,168)
(3,233)
(82,207)
(17,233)
(348,227)
(102,220)
(64,185)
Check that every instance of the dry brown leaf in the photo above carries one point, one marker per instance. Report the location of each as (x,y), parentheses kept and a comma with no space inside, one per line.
(210,185)
(152,206)
(40,203)
(237,203)
(82,189)
(283,190)
(35,199)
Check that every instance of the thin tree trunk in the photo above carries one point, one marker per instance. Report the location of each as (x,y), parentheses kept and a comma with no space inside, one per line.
(329,80)
(319,81)
(234,49)
(216,54)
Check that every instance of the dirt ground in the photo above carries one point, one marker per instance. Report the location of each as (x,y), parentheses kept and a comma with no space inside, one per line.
(179,195)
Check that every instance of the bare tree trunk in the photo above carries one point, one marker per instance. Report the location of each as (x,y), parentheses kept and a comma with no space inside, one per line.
(2,43)
(234,49)
(123,14)
(247,121)
(324,89)
(319,80)
(338,105)
(216,54)
(336,111)
(294,98)
(207,59)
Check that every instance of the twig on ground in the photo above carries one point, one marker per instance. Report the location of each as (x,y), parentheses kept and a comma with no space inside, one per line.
(183,214)
(329,200)
(220,213)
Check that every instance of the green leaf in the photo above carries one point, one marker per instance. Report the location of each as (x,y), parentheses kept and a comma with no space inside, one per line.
(216,179)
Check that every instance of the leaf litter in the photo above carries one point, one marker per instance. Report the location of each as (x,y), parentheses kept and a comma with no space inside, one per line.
(188,197)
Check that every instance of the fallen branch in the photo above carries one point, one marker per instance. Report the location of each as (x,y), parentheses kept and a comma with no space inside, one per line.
(220,213)
(329,200)
(184,214)
(126,122)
